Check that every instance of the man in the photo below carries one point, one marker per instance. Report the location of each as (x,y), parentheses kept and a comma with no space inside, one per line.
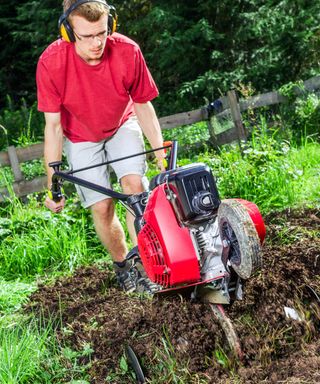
(95,90)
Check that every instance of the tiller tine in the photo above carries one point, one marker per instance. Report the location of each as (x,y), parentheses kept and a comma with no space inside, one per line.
(226,324)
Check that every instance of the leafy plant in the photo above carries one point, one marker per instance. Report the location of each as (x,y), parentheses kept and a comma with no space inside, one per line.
(21,125)
(301,115)
(32,169)
(33,240)
(22,352)
(13,294)
(272,173)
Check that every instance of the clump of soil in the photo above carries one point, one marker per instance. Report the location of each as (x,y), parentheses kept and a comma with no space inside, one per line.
(275,348)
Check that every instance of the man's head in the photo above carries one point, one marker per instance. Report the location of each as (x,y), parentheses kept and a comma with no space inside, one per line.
(87,23)
(91,10)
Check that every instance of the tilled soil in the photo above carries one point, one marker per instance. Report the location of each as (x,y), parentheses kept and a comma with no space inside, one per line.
(175,334)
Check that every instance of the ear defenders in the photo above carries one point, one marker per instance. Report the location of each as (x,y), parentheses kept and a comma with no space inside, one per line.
(65,28)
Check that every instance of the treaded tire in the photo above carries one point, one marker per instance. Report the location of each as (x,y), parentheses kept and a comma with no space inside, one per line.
(237,228)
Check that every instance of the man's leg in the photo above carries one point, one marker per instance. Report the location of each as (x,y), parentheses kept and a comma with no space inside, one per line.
(128,141)
(107,225)
(131,184)
(109,229)
(112,236)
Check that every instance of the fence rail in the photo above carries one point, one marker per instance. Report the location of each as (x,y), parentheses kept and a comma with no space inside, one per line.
(228,105)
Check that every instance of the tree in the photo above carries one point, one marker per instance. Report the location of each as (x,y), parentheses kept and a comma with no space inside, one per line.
(196,50)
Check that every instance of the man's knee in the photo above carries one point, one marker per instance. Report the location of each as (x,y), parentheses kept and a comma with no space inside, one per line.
(103,209)
(132,184)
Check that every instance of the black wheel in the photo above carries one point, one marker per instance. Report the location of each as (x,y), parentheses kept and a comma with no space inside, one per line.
(240,237)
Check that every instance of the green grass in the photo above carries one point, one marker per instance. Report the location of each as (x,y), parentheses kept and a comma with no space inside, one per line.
(13,294)
(188,134)
(307,162)
(30,170)
(30,353)
(34,241)
(22,353)
(274,177)
(6,176)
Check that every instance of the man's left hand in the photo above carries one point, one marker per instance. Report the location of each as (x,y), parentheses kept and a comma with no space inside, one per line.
(161,160)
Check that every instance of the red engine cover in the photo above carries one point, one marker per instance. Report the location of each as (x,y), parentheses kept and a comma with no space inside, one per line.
(166,248)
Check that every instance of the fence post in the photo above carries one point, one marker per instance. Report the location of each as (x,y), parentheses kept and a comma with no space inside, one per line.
(14,162)
(236,115)
(205,114)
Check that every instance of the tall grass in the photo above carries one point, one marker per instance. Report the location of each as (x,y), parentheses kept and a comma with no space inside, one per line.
(35,241)
(30,353)
(307,163)
(22,353)
(13,294)
(274,174)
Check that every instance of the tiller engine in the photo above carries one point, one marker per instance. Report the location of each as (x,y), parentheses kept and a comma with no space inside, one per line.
(188,237)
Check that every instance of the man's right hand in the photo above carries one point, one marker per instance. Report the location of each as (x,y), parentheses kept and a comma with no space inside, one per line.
(53,206)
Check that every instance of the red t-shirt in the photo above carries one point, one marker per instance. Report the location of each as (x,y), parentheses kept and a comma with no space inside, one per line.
(94,100)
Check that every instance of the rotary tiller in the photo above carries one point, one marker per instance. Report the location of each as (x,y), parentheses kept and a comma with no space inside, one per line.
(189,239)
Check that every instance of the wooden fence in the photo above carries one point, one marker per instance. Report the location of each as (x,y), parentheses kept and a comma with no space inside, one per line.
(227,106)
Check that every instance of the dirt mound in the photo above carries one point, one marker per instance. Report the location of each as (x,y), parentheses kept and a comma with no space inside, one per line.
(166,330)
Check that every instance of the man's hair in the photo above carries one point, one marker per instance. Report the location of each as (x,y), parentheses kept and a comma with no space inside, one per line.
(91,11)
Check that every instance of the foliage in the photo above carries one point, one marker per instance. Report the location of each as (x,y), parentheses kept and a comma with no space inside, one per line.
(13,294)
(21,126)
(188,135)
(269,171)
(22,351)
(32,169)
(30,353)
(195,50)
(27,26)
(301,115)
(64,242)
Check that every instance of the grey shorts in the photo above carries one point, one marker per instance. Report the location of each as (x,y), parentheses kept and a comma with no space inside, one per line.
(128,140)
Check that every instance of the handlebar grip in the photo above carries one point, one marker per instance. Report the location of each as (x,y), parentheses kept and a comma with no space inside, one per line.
(55,192)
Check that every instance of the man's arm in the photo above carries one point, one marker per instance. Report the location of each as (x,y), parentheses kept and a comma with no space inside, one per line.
(151,128)
(53,142)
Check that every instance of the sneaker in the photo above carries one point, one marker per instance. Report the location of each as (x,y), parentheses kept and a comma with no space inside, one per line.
(127,276)
(144,284)
(133,278)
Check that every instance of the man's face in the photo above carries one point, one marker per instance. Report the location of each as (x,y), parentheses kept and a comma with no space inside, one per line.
(91,38)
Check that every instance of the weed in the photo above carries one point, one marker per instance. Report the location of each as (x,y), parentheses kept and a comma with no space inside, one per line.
(167,369)
(22,352)
(61,244)
(13,294)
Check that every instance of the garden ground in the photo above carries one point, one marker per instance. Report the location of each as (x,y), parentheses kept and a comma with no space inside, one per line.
(179,341)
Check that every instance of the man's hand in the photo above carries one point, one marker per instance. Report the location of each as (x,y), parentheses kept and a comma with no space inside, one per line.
(53,206)
(161,160)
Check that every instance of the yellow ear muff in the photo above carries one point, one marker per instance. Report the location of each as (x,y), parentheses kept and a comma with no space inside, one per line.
(114,24)
(112,20)
(64,33)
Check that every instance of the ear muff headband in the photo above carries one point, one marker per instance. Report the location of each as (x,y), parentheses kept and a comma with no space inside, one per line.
(65,28)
